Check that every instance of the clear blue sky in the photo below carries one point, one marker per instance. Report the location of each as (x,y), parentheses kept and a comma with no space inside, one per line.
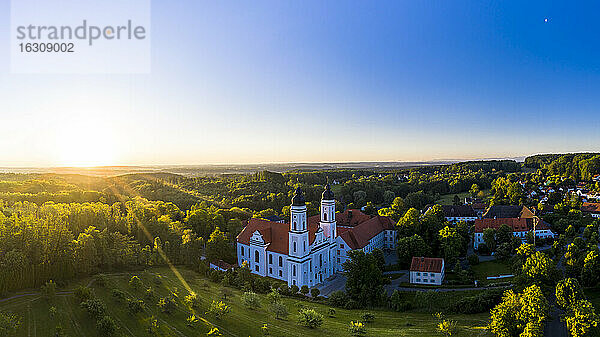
(308,81)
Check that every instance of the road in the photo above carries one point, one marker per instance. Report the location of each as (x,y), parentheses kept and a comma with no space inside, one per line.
(554,326)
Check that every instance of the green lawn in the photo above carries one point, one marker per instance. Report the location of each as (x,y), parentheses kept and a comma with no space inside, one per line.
(36,320)
(594,296)
(491,268)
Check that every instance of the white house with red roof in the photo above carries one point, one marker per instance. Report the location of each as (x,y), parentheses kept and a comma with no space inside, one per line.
(308,250)
(591,208)
(427,270)
(520,227)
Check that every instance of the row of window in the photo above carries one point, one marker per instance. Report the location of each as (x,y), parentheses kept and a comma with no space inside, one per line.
(425,274)
(271,272)
(425,281)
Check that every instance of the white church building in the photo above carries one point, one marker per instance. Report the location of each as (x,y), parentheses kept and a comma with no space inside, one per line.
(308,250)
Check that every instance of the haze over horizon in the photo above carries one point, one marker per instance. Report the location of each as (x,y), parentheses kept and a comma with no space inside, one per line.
(317,82)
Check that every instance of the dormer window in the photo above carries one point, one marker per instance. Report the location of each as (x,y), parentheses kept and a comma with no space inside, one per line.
(325,216)
(294,247)
(256,257)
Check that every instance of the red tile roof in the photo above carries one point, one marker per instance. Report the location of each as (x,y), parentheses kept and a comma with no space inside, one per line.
(350,218)
(222,264)
(355,227)
(516,224)
(427,264)
(591,207)
(359,236)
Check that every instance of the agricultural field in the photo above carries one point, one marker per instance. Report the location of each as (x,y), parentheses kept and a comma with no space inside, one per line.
(38,319)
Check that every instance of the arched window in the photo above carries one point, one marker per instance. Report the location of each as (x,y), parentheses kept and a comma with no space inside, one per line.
(256,256)
(294,271)
(242,251)
(294,225)
(280,262)
(325,216)
(294,247)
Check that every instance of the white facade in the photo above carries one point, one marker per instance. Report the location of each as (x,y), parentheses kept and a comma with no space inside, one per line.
(306,263)
(539,233)
(427,278)
(461,218)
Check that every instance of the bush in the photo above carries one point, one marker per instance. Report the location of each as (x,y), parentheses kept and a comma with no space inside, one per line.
(357,329)
(58,331)
(94,307)
(118,295)
(446,327)
(106,326)
(167,304)
(481,302)
(314,292)
(285,290)
(331,312)
(352,304)
(192,300)
(9,324)
(294,289)
(149,294)
(135,282)
(218,309)
(265,330)
(157,279)
(473,260)
(100,280)
(152,327)
(310,318)
(192,321)
(279,309)
(273,296)
(250,300)
(304,290)
(135,306)
(338,299)
(83,293)
(367,317)
(49,289)
(397,303)
(483,249)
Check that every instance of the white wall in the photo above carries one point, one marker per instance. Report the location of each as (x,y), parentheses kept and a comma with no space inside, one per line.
(426,278)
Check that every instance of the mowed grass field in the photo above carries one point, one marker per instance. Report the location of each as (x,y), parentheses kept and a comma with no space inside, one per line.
(492,268)
(37,321)
(448,199)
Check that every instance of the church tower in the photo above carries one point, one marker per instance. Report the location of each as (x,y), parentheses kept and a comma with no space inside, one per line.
(298,253)
(328,213)
(329,227)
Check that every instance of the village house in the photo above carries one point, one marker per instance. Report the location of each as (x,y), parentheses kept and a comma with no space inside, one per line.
(591,208)
(427,270)
(519,226)
(455,213)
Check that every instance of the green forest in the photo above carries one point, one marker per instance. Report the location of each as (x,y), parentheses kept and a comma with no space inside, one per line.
(56,229)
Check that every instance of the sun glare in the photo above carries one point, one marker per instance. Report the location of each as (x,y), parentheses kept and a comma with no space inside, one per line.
(84,149)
